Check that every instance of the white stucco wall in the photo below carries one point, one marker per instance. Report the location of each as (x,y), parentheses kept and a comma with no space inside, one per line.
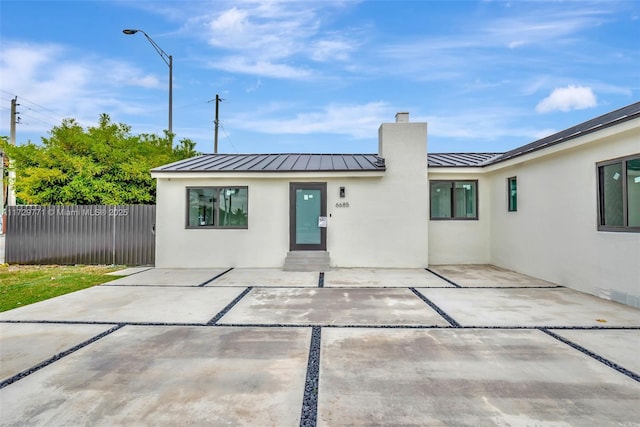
(385,224)
(261,245)
(554,234)
(462,241)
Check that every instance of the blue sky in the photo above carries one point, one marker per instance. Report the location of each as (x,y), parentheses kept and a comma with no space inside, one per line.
(320,76)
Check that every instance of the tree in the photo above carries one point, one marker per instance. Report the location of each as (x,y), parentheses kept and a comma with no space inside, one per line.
(104,164)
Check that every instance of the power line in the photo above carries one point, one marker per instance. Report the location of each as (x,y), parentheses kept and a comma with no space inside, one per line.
(33,118)
(42,114)
(23,99)
(229,139)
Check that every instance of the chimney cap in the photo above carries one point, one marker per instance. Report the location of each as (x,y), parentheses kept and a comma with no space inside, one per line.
(402,117)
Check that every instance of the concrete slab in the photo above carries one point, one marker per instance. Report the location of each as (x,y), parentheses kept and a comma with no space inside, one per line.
(620,346)
(466,377)
(472,275)
(325,306)
(267,277)
(530,307)
(169,277)
(169,376)
(24,345)
(130,304)
(372,277)
(129,271)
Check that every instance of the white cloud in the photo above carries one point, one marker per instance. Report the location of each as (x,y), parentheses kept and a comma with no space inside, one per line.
(542,25)
(261,36)
(244,65)
(331,50)
(355,120)
(567,99)
(53,82)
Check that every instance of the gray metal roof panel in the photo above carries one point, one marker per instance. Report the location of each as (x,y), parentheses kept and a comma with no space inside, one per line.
(460,159)
(293,162)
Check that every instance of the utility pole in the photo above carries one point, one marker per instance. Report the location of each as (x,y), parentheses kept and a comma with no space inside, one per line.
(11,194)
(216,123)
(215,139)
(14,120)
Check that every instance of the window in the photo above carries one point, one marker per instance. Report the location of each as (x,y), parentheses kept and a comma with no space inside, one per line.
(454,199)
(217,207)
(619,194)
(512,191)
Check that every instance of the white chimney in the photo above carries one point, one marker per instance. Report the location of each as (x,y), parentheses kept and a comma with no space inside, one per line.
(402,117)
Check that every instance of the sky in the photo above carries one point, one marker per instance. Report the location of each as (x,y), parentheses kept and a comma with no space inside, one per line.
(320,76)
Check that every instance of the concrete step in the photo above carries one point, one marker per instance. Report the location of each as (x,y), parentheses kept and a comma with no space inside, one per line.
(306,261)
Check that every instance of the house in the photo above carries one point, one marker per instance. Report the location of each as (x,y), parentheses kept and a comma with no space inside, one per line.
(565,208)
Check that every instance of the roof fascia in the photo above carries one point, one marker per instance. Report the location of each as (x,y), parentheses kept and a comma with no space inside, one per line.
(455,170)
(268,175)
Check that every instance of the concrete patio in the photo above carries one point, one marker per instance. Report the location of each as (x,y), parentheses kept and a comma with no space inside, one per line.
(451,345)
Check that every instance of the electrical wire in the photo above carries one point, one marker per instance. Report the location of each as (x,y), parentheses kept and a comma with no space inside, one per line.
(228,139)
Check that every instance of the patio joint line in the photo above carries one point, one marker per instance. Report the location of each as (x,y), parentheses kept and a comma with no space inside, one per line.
(57,357)
(215,277)
(321,279)
(326,325)
(309,413)
(115,285)
(322,325)
(513,287)
(229,306)
(441,312)
(443,278)
(133,274)
(593,355)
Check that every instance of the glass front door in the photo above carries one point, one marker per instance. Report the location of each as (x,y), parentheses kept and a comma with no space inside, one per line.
(307,207)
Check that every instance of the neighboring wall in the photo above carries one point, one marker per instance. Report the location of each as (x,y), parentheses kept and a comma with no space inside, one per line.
(554,234)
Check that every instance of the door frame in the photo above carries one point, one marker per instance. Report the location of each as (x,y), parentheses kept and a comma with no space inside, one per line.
(293,186)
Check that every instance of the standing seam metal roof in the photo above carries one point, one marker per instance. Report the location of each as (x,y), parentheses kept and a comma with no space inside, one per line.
(293,162)
(460,159)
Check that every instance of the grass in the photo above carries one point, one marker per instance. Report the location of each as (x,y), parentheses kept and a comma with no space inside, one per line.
(21,285)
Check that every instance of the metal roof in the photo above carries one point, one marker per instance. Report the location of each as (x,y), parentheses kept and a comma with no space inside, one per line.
(460,159)
(277,163)
(614,117)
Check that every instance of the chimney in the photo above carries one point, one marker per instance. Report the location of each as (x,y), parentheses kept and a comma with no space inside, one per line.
(402,117)
(403,143)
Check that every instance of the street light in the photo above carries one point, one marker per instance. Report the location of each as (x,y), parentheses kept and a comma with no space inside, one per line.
(168,59)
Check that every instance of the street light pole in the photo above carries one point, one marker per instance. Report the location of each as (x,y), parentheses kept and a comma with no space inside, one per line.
(168,59)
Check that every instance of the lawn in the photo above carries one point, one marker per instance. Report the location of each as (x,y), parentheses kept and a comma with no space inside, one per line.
(21,284)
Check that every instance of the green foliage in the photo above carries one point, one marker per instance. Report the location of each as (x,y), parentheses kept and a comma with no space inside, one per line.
(105,164)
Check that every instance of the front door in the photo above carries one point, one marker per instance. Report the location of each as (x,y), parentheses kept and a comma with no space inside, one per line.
(307,205)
